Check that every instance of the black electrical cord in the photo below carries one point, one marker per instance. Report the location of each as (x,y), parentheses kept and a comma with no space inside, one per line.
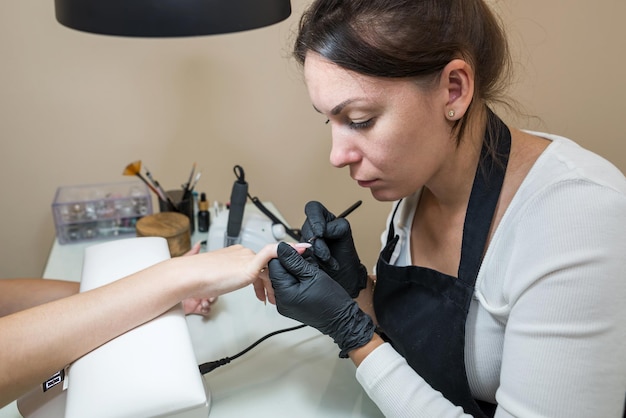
(292,232)
(212,365)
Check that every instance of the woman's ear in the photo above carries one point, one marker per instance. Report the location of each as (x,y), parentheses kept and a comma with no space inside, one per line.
(457,80)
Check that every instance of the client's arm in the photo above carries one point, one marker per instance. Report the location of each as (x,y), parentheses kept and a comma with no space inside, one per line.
(37,342)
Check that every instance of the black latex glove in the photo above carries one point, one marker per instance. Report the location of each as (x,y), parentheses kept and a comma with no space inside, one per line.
(307,294)
(333,247)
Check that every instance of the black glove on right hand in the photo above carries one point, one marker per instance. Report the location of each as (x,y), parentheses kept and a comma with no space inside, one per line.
(305,293)
(333,247)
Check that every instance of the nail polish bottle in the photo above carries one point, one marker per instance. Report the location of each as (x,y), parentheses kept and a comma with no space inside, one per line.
(204,217)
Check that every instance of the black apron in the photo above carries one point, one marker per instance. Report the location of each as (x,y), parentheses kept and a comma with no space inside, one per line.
(422,312)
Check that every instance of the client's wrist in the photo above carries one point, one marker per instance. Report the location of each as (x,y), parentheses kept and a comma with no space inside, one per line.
(180,278)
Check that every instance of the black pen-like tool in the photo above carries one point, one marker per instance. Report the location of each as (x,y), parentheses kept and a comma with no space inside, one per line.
(350,209)
(342,215)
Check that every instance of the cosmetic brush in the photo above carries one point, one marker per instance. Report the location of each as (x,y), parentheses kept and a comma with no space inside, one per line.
(134,169)
(162,194)
(195,181)
(187,186)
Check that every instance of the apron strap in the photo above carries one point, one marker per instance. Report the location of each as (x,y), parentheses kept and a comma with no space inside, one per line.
(391,233)
(392,238)
(484,197)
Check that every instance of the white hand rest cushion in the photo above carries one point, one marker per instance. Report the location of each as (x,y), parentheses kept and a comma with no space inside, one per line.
(149,371)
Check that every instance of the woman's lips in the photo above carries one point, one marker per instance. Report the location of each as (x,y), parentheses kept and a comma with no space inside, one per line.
(366,183)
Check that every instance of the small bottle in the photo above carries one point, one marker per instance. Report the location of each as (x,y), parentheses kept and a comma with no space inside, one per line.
(204,217)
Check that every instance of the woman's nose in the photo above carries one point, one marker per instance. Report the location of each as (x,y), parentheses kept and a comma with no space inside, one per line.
(343,153)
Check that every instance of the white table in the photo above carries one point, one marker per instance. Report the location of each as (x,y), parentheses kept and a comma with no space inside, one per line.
(295,374)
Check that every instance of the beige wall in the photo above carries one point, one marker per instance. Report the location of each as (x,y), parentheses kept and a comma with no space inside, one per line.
(76,108)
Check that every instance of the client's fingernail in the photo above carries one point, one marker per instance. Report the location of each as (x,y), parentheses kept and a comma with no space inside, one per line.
(303,245)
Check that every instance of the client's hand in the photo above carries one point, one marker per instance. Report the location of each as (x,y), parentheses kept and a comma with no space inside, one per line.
(225,270)
(198,306)
(307,294)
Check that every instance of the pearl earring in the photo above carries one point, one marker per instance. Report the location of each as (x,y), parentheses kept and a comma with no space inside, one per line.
(451,113)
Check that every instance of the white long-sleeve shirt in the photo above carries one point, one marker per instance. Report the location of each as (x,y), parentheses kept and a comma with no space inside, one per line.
(546,331)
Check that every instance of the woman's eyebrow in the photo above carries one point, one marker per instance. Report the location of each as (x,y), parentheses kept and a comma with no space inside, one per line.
(337,109)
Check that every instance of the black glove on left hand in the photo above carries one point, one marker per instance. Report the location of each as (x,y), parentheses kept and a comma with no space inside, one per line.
(307,294)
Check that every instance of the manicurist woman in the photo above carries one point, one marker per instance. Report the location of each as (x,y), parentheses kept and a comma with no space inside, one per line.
(500,289)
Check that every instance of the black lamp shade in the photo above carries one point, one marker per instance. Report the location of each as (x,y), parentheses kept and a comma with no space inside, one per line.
(169,18)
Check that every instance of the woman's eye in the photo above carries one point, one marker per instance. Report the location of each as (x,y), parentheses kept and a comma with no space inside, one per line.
(362,125)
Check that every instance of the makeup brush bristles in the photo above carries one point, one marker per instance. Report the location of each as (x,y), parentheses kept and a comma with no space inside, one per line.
(133,168)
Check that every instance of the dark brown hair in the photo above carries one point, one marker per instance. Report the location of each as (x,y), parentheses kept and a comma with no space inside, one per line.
(409,38)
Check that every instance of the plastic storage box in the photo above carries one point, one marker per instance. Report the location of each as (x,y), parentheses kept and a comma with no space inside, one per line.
(99,211)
